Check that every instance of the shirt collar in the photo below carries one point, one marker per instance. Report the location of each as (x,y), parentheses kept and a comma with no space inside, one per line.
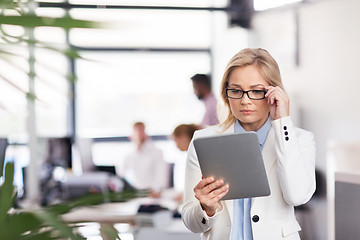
(261,133)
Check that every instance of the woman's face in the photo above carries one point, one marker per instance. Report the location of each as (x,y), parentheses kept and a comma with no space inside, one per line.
(252,114)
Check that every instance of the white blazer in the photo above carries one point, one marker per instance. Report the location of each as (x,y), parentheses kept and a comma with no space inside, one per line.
(289,157)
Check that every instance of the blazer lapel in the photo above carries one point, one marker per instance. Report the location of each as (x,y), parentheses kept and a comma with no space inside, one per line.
(229,130)
(269,156)
(230,208)
(268,153)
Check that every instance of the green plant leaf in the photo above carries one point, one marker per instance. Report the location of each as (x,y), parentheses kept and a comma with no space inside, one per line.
(29,222)
(38,236)
(7,193)
(35,21)
(93,199)
(109,231)
(53,220)
(65,207)
(7,4)
(2,161)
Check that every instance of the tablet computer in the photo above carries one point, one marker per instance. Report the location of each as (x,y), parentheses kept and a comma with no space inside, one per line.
(237,159)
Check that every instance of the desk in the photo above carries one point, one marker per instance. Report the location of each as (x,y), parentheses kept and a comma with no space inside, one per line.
(175,231)
(126,212)
(115,212)
(104,213)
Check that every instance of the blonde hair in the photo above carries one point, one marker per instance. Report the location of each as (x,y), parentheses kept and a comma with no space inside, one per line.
(258,57)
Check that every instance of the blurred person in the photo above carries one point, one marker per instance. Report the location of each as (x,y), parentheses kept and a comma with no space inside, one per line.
(182,136)
(202,89)
(253,93)
(144,167)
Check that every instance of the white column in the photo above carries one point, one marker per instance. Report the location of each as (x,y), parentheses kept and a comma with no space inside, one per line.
(32,176)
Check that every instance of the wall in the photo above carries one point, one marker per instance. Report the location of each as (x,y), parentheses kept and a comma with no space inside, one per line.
(324,85)
(226,42)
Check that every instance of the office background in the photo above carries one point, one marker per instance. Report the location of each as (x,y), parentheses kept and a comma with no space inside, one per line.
(139,68)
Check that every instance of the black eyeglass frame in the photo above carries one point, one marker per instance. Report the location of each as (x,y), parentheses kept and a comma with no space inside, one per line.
(247,93)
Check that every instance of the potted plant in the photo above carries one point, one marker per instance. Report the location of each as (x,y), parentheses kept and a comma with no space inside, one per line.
(46,223)
(21,14)
(38,223)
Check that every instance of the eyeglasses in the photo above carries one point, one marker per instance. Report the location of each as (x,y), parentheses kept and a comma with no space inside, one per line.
(252,94)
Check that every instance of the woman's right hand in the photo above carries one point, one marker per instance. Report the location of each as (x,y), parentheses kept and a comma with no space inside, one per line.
(209,192)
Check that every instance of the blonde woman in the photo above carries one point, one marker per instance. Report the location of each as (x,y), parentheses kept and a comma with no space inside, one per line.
(252,91)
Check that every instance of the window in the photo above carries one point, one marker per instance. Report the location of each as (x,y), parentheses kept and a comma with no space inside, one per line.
(188,3)
(143,28)
(260,5)
(52,91)
(120,88)
(139,68)
(51,86)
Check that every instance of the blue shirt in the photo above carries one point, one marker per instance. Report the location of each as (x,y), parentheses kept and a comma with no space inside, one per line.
(241,227)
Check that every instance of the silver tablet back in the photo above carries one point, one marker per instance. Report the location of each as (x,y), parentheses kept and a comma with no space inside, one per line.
(237,159)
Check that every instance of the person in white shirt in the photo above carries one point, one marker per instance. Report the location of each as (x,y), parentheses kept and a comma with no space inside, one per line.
(144,167)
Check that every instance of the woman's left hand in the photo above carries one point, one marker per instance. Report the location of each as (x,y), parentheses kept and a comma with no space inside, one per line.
(279,102)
